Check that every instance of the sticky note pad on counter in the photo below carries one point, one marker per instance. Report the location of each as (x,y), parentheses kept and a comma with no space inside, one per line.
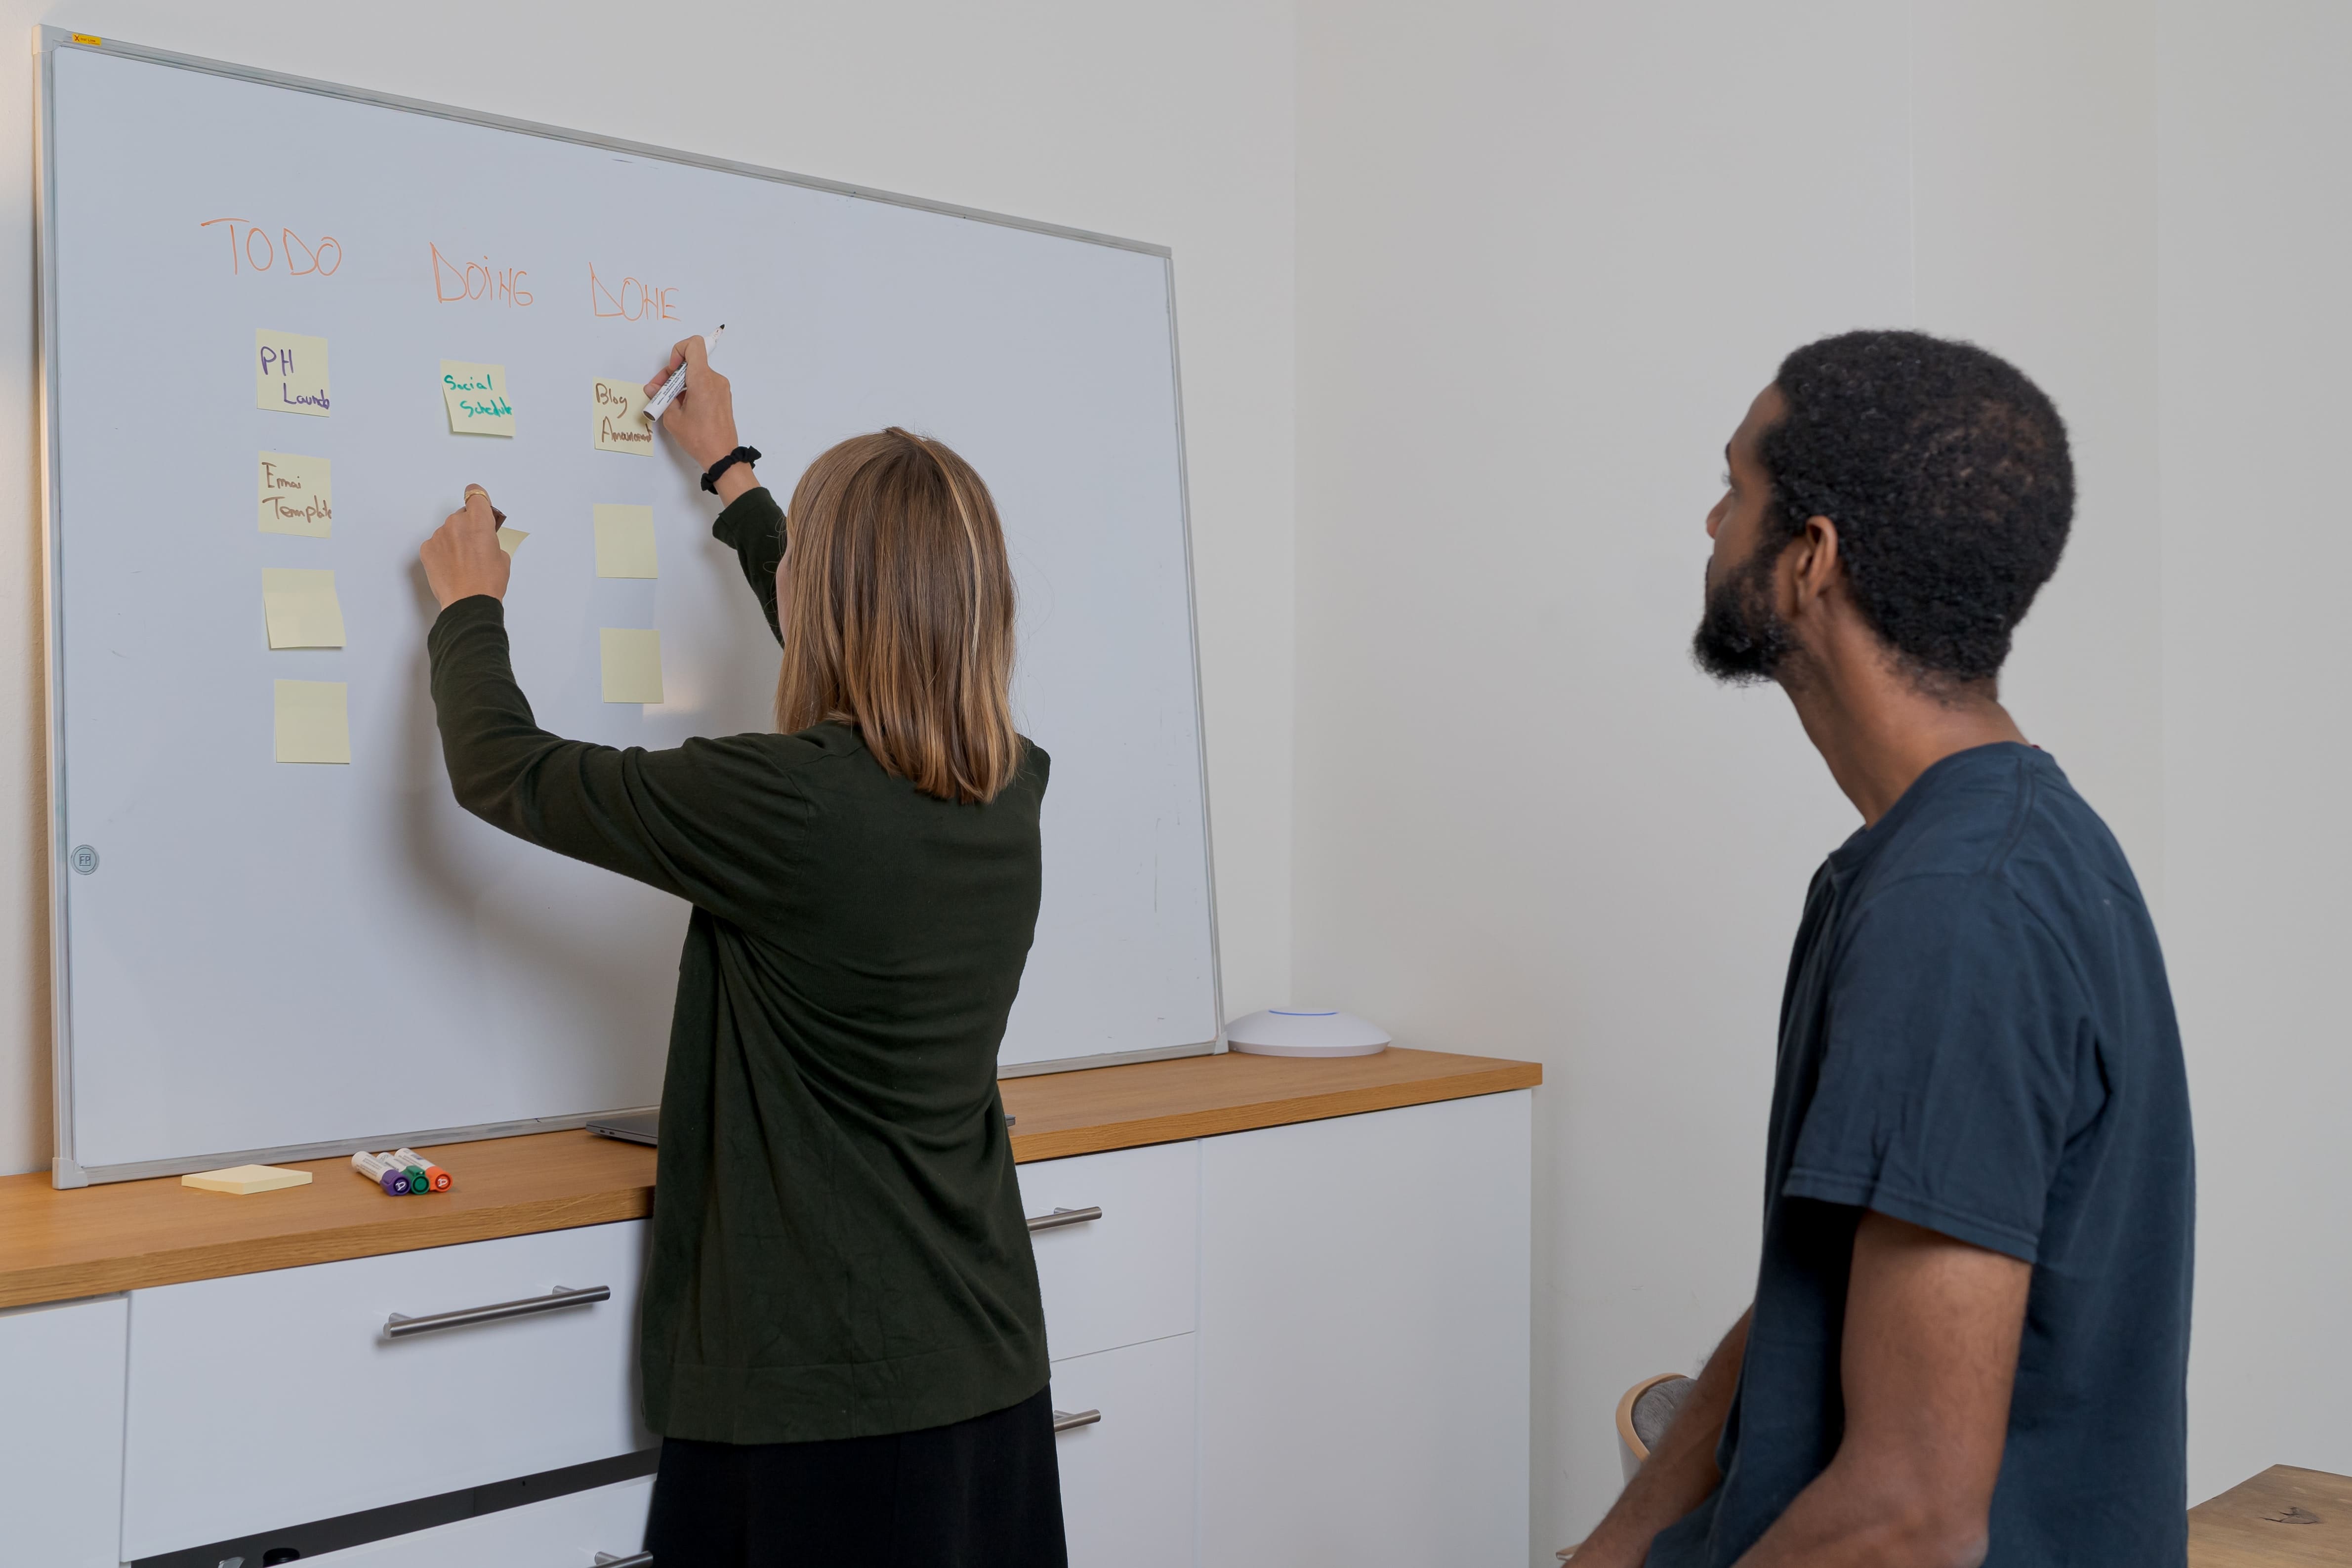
(616,412)
(244,1180)
(632,663)
(510,539)
(477,397)
(313,721)
(289,372)
(624,542)
(296,494)
(300,608)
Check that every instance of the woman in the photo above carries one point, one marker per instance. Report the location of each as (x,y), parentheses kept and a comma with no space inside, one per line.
(842,1346)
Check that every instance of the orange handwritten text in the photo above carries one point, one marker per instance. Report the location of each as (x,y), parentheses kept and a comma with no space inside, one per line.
(250,249)
(631,300)
(454,282)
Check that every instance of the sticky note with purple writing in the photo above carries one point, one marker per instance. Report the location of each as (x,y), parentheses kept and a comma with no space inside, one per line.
(290,372)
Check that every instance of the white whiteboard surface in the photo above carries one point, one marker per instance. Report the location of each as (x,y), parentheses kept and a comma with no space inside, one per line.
(273,957)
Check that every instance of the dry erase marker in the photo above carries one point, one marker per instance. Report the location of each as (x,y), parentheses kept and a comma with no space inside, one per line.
(437,1179)
(382,1172)
(676,383)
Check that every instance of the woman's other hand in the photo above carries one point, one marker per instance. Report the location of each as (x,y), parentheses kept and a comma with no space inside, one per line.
(463,558)
(701,418)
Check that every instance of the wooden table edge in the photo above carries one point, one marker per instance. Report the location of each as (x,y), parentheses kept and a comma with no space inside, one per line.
(410,1231)
(336,1243)
(1176,1127)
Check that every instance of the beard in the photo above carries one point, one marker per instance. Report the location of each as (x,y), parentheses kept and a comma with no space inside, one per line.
(1742,639)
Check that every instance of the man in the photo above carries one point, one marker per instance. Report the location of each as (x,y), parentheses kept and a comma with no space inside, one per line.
(1969,1342)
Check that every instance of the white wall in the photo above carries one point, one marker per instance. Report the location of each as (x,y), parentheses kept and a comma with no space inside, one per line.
(2256,329)
(1170,123)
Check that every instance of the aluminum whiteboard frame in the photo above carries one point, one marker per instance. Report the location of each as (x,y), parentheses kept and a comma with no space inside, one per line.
(66,1171)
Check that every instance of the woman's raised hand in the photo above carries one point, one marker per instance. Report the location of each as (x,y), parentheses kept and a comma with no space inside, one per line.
(463,558)
(701,419)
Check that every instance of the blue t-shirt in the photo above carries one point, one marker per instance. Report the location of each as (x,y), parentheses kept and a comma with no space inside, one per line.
(1976,1036)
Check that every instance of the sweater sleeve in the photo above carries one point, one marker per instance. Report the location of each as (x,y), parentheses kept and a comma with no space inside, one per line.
(680,820)
(753,527)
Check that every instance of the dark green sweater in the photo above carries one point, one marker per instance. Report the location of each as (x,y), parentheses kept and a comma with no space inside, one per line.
(838,1249)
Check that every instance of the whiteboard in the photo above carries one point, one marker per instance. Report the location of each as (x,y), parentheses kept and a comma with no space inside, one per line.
(257,958)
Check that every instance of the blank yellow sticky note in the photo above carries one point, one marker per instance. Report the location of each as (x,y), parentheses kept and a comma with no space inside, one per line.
(632,663)
(297,494)
(618,417)
(313,723)
(301,608)
(289,372)
(247,1180)
(510,539)
(624,542)
(476,396)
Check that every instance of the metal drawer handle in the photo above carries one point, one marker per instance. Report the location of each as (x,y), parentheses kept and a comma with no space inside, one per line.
(1071,1420)
(400,1325)
(1061,1217)
(633,1560)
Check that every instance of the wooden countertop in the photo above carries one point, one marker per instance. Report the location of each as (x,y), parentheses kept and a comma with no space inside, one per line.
(123,1235)
(2284,1518)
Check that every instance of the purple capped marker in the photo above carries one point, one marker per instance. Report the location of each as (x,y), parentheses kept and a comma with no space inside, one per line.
(383,1173)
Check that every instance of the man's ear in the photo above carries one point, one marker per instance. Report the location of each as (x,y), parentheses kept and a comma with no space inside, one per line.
(1814,554)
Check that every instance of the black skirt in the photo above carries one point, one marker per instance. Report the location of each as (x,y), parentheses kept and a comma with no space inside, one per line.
(982,1493)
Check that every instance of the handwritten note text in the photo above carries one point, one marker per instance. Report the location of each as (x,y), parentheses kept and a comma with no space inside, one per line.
(290,372)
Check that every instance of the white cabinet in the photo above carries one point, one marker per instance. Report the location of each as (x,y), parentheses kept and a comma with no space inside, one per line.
(263,1400)
(61,1434)
(1131,1275)
(1127,1480)
(1309,1345)
(1364,1340)
(561,1532)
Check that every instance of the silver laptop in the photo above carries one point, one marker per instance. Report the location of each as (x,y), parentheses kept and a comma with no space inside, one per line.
(636,1126)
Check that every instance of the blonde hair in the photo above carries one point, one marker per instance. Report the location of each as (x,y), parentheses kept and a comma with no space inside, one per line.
(899,613)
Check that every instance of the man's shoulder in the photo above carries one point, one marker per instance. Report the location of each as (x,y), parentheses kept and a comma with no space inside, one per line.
(2008,825)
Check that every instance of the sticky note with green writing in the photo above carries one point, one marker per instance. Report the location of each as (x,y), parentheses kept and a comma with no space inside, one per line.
(477,397)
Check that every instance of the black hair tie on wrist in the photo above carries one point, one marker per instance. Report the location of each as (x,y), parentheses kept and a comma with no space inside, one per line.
(739,455)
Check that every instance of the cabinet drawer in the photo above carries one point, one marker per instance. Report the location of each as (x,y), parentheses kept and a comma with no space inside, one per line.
(61,1440)
(561,1532)
(1131,1275)
(1127,1479)
(270,1399)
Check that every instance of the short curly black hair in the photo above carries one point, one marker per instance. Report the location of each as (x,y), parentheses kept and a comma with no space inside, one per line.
(1947,474)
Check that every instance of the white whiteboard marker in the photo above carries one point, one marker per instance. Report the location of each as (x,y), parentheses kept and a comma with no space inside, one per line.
(676,383)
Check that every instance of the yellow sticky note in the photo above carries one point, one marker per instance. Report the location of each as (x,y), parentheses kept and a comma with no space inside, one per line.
(476,396)
(510,539)
(313,721)
(301,608)
(246,1180)
(618,412)
(289,372)
(632,663)
(624,542)
(297,494)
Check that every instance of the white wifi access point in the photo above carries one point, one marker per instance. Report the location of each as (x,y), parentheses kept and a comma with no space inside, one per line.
(1306,1032)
